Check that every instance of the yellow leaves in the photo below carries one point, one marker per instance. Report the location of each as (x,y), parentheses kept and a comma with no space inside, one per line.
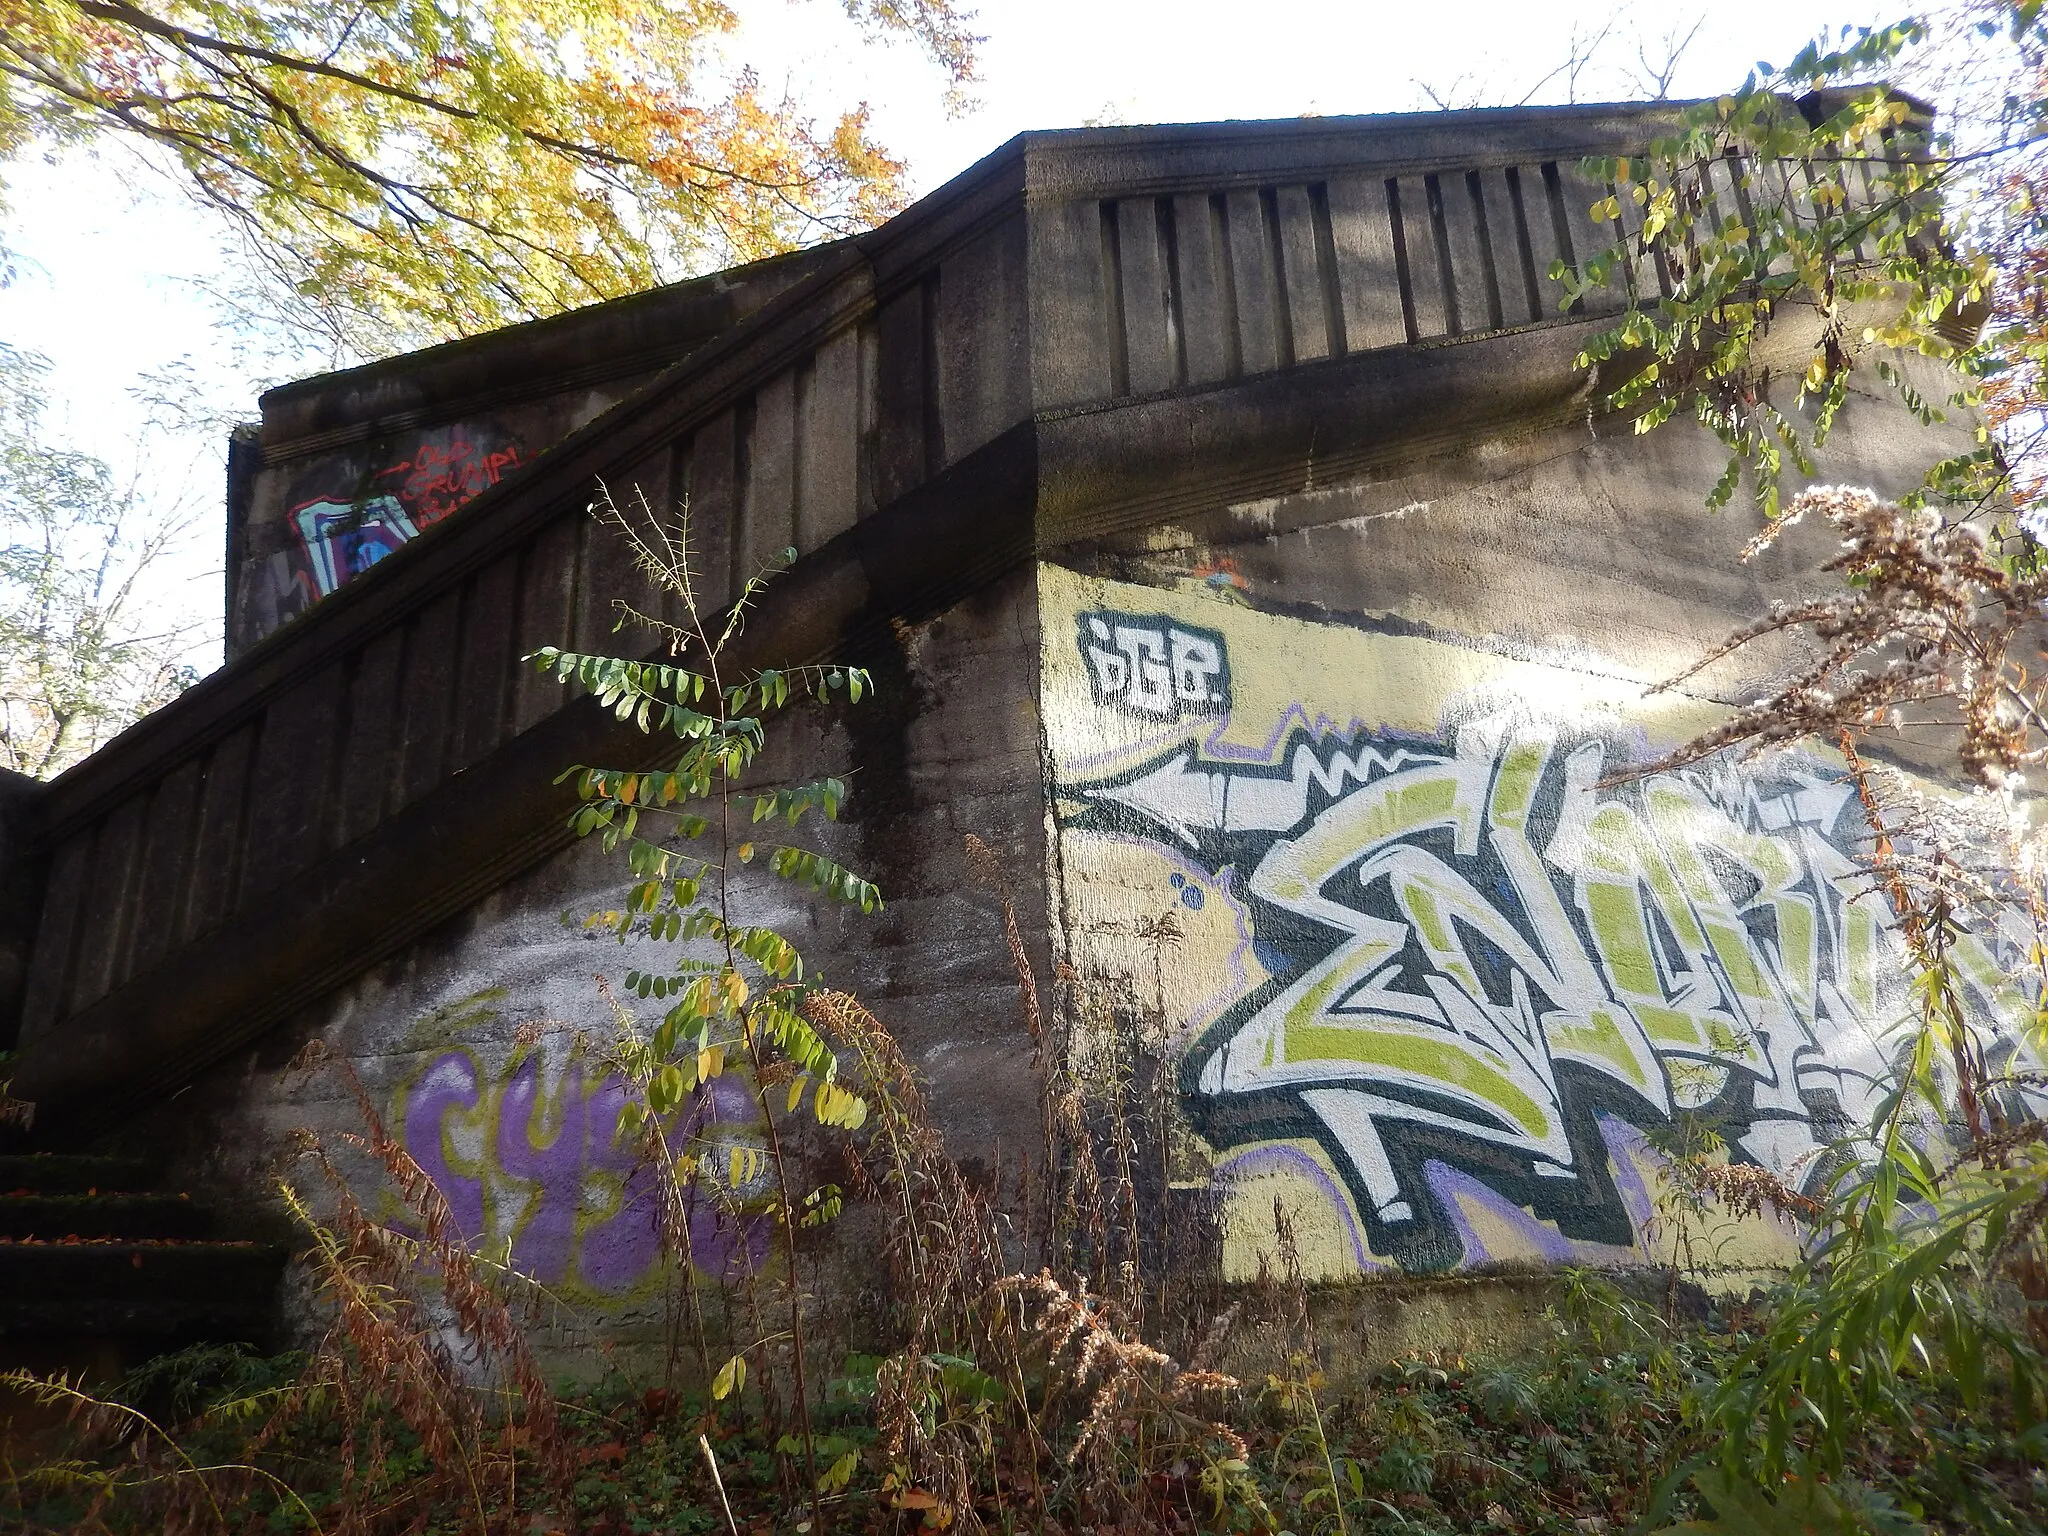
(834,1105)
(731,1378)
(710,1062)
(733,990)
(737,1165)
(415,171)
(713,995)
(840,1473)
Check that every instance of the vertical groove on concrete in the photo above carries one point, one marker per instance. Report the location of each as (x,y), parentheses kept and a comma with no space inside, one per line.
(1226,285)
(1169,259)
(1276,260)
(1113,293)
(1326,269)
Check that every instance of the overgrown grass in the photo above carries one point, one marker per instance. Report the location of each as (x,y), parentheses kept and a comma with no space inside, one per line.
(1573,1437)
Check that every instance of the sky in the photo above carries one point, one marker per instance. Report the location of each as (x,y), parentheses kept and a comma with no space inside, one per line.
(119,272)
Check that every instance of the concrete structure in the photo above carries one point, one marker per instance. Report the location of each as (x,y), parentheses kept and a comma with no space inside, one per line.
(1226,525)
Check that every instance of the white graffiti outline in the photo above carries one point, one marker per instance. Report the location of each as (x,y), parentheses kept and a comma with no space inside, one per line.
(1692,939)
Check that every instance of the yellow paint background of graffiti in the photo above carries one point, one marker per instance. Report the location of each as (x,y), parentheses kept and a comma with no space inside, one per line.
(1350,678)
(1287,674)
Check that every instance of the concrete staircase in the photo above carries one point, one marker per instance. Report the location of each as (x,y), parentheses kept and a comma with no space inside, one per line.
(90,1250)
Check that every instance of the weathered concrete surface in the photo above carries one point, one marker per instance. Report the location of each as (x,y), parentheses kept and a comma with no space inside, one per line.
(1135,465)
(1433,982)
(1098,325)
(346,468)
(484,1046)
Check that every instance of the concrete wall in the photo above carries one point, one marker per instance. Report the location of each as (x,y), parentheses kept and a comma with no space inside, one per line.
(1329,834)
(1337,838)
(484,1045)
(1221,513)
(345,469)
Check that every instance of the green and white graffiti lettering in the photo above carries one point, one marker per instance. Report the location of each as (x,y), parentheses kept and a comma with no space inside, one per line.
(1474,945)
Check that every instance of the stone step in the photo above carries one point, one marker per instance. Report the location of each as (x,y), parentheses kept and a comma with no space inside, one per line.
(72,1173)
(88,1249)
(160,1287)
(99,1214)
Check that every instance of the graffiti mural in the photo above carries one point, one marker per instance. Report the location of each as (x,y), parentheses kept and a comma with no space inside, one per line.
(340,534)
(531,1152)
(1441,973)
(447,469)
(341,539)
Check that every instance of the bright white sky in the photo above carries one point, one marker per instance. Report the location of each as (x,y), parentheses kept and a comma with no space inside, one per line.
(118,267)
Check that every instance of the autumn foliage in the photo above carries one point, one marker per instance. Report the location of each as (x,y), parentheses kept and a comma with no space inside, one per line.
(405,171)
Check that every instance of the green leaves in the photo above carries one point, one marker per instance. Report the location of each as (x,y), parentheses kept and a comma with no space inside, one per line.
(773,688)
(796,1040)
(733,996)
(1800,1507)
(790,804)
(1901,1283)
(822,874)
(822,1205)
(1750,213)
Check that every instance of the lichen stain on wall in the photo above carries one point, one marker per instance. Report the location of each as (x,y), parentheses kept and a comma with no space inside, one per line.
(1437,974)
(527,1148)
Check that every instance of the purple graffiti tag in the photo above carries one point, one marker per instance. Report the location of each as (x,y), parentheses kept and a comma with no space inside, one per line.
(449,1085)
(1627,1151)
(1449,1184)
(618,1251)
(1459,1192)
(582,1204)
(546,1238)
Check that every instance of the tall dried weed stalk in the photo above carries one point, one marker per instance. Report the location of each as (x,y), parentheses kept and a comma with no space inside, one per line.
(943,1246)
(1145,1437)
(1929,1226)
(423,1328)
(1931,648)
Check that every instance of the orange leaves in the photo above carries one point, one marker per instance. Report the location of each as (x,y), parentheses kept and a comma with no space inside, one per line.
(415,173)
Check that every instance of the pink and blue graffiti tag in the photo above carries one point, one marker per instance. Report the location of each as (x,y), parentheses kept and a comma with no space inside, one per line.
(343,532)
(537,1155)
